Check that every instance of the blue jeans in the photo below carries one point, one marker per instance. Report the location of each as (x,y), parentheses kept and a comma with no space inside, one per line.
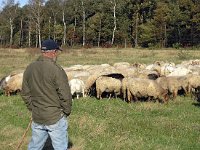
(57,132)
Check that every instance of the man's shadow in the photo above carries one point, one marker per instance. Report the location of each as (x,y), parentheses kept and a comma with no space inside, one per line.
(48,144)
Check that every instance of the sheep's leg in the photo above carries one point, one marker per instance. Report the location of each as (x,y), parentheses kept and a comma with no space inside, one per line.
(83,93)
(109,96)
(149,98)
(189,89)
(175,94)
(129,95)
(77,96)
(124,95)
(194,91)
(135,98)
(185,90)
(7,93)
(116,94)
(166,98)
(98,93)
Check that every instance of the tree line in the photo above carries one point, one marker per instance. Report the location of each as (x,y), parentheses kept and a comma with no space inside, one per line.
(101,23)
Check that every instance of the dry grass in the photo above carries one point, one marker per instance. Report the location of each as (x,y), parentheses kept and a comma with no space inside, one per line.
(12,137)
(18,59)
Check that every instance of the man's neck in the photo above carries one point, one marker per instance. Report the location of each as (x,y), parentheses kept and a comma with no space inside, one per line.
(48,54)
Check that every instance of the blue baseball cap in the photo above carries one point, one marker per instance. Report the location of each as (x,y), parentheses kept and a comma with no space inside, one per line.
(48,45)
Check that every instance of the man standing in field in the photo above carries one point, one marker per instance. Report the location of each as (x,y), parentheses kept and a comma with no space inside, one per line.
(46,93)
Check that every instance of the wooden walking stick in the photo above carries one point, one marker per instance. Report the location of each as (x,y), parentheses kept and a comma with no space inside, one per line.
(20,143)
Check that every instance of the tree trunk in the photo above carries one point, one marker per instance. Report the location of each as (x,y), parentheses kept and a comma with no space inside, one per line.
(165,38)
(39,38)
(36,15)
(54,29)
(179,34)
(49,27)
(29,34)
(83,23)
(192,35)
(39,32)
(99,35)
(72,43)
(65,28)
(21,35)
(36,37)
(125,43)
(136,30)
(11,32)
(115,22)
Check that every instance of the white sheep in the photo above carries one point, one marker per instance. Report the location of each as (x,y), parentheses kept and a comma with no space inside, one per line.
(77,87)
(108,85)
(180,71)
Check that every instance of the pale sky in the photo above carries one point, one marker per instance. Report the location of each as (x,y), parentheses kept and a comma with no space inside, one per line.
(22,2)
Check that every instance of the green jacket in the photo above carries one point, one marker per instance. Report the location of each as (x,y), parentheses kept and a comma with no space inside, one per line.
(45,91)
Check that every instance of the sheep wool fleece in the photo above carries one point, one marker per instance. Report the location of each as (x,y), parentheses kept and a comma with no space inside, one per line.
(46,91)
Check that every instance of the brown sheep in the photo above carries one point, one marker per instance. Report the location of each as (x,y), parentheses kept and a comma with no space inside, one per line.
(14,84)
(193,82)
(173,84)
(137,87)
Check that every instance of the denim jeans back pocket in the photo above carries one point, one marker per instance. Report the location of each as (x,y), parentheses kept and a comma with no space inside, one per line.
(37,126)
(58,125)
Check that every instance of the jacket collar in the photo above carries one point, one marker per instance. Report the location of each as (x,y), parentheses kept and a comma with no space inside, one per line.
(43,58)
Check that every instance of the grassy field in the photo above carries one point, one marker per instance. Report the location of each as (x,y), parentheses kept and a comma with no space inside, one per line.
(108,124)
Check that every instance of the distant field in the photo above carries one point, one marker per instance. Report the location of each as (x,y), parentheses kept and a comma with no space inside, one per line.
(18,59)
(108,124)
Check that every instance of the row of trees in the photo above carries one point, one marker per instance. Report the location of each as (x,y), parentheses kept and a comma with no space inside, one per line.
(125,23)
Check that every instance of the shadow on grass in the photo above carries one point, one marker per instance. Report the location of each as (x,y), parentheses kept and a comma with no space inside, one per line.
(196,104)
(48,144)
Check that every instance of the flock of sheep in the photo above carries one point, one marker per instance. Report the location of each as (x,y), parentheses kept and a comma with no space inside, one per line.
(159,81)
